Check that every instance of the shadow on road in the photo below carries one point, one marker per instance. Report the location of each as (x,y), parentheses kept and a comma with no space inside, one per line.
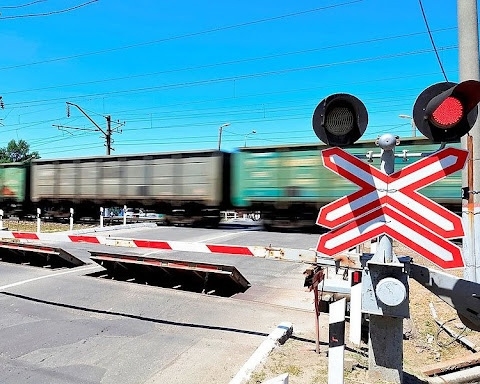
(131,316)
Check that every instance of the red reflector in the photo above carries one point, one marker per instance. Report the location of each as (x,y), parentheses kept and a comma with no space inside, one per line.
(448,113)
(356,277)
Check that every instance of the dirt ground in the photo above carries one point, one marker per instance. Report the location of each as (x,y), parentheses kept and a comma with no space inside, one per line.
(427,343)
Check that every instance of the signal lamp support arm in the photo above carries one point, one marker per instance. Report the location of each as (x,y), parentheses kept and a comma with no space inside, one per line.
(462,295)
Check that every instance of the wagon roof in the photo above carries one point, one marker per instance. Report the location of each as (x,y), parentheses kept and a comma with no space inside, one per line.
(179,154)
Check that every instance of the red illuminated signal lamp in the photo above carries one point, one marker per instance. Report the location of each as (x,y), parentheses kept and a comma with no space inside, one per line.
(446,111)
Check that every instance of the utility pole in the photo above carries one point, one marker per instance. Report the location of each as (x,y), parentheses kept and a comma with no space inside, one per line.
(108,137)
(469,70)
(107,134)
(2,106)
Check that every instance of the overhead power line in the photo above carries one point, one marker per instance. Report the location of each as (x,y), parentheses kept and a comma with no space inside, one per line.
(231,62)
(431,40)
(21,5)
(49,13)
(185,35)
(233,78)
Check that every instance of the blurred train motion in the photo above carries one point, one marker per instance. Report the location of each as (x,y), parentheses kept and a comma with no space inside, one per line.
(286,184)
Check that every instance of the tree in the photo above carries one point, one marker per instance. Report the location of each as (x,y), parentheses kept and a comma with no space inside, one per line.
(17,152)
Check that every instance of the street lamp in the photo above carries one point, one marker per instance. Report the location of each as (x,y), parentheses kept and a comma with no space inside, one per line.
(220,130)
(251,133)
(414,129)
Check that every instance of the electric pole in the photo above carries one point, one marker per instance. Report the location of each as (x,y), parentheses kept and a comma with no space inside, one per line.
(107,134)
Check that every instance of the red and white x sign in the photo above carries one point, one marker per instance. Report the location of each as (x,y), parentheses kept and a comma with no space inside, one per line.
(390,204)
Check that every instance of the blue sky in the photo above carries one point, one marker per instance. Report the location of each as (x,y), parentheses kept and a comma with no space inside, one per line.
(172,72)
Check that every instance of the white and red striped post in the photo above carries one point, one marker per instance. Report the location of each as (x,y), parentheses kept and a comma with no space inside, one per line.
(336,341)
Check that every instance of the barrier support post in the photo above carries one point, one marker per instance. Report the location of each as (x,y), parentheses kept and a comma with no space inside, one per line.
(39,211)
(71,219)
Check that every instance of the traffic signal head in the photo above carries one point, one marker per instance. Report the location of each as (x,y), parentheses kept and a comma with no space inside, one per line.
(340,119)
(446,111)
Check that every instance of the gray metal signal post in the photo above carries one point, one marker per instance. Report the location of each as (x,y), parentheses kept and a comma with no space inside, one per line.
(385,294)
(340,120)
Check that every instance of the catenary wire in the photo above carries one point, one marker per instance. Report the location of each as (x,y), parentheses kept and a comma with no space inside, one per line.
(432,41)
(186,35)
(50,13)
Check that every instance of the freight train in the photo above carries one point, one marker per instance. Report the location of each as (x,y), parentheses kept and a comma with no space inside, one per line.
(286,184)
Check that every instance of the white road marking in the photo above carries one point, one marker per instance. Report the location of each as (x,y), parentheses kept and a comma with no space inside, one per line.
(47,276)
(221,236)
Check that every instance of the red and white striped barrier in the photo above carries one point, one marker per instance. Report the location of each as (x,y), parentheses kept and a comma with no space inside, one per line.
(253,251)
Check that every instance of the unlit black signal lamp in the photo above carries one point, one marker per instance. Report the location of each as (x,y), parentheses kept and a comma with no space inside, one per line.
(340,119)
(446,111)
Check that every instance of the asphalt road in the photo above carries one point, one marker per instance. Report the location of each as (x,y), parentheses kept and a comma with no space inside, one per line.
(62,326)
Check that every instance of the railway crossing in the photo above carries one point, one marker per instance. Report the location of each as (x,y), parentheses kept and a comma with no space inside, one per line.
(387,206)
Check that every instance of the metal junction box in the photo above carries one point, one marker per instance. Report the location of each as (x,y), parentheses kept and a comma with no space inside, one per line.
(385,289)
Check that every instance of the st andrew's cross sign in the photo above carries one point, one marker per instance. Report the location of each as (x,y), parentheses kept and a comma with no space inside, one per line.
(392,205)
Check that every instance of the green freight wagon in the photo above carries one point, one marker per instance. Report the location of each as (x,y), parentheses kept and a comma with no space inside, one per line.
(289,184)
(14,188)
(13,182)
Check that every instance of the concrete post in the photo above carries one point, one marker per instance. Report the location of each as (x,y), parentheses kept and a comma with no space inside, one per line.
(385,349)
(467,20)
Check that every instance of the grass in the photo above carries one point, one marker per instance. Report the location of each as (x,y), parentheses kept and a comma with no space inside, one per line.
(45,227)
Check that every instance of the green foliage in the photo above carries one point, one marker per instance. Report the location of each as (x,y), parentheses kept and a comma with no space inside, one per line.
(17,152)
